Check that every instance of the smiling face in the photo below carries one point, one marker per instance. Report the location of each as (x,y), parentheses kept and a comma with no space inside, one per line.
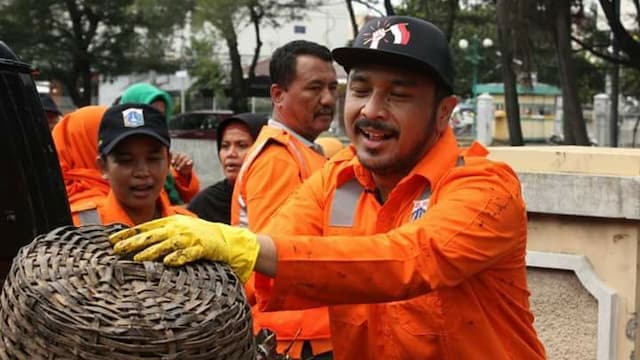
(136,169)
(393,118)
(235,144)
(308,103)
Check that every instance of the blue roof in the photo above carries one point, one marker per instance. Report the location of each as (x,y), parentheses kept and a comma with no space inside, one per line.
(538,89)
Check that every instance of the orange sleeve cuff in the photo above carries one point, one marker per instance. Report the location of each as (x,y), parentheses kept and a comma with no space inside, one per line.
(187,187)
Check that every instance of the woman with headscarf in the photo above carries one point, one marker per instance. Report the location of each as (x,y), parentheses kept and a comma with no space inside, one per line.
(76,141)
(235,136)
(182,183)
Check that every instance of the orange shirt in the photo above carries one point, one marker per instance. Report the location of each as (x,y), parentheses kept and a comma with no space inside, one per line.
(187,188)
(110,211)
(276,165)
(442,278)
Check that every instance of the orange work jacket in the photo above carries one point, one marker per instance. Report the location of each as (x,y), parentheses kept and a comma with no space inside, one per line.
(109,211)
(436,272)
(275,166)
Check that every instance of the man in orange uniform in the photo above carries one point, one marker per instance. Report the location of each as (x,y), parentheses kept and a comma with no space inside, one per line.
(303,93)
(417,246)
(133,147)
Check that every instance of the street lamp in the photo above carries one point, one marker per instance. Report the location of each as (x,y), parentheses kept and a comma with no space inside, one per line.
(474,58)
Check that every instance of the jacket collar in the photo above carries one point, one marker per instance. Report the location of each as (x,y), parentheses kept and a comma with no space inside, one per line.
(441,158)
(315,147)
(112,211)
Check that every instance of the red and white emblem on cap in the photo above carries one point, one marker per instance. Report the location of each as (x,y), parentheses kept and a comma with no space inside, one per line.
(400,32)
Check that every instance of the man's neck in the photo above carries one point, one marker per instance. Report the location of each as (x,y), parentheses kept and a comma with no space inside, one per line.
(292,131)
(385,184)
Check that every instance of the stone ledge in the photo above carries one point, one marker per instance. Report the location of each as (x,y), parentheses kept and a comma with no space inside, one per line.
(606,297)
(570,159)
(582,194)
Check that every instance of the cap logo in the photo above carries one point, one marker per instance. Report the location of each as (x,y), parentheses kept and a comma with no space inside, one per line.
(401,35)
(133,118)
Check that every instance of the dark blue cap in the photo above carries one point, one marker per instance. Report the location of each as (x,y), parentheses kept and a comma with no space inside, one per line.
(121,121)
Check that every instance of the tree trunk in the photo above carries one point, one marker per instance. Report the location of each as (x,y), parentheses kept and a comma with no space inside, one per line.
(80,79)
(389,8)
(238,84)
(512,106)
(256,18)
(454,6)
(575,130)
(625,40)
(352,17)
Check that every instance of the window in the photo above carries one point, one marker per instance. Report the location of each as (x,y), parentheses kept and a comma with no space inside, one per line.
(299,29)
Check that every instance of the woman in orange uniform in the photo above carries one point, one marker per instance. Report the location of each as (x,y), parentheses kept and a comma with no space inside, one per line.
(76,139)
(133,147)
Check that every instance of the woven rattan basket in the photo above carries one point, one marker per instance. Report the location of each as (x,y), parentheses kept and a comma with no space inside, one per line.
(68,297)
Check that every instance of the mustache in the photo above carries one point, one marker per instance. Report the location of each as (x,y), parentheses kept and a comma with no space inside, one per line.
(376,125)
(326,110)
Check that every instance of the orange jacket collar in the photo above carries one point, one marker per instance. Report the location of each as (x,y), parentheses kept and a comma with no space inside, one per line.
(442,157)
(112,211)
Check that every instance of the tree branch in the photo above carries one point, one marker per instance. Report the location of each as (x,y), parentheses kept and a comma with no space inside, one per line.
(352,18)
(603,55)
(624,40)
(256,16)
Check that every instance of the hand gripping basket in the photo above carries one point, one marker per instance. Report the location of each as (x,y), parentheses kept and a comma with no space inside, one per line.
(69,297)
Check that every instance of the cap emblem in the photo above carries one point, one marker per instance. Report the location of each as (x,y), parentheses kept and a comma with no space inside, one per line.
(133,118)
(400,33)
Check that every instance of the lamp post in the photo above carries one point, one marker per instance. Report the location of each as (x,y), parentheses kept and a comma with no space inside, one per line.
(474,58)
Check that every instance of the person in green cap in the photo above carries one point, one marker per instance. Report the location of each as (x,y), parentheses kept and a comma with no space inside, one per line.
(182,183)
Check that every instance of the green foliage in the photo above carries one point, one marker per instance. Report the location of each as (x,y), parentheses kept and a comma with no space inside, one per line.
(205,68)
(227,16)
(466,21)
(629,80)
(590,78)
(478,18)
(69,41)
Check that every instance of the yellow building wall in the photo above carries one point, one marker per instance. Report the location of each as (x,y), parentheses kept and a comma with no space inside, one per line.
(536,117)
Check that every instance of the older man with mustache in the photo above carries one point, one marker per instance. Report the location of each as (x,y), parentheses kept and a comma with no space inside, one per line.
(303,92)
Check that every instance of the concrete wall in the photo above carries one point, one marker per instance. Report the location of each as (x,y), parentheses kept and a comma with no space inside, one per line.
(205,158)
(584,216)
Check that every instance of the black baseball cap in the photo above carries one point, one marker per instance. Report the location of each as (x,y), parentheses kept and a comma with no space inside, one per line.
(400,41)
(48,104)
(253,121)
(121,121)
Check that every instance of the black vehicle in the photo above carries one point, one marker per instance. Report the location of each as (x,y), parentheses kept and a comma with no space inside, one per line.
(199,124)
(33,199)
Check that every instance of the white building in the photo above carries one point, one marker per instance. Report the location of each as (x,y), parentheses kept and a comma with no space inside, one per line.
(328,25)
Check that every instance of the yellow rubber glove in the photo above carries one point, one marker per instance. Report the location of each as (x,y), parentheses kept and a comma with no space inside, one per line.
(185,239)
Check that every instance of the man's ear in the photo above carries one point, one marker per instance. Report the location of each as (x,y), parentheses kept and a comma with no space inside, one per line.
(102,165)
(445,108)
(277,94)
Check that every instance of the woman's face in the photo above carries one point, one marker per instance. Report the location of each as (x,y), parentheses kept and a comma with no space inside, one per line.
(235,144)
(136,169)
